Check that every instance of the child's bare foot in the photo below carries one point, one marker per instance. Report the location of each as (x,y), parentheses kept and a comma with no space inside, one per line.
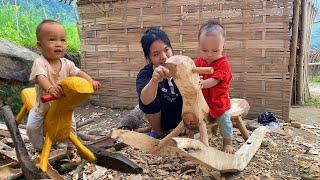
(73,156)
(228,149)
(227,146)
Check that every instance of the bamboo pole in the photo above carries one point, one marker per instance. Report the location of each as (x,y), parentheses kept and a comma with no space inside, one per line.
(293,47)
(300,100)
(306,50)
(312,15)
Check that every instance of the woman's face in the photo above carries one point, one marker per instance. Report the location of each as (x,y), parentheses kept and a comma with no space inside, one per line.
(159,53)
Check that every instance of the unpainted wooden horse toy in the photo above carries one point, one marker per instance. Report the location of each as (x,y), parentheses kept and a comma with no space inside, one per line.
(195,109)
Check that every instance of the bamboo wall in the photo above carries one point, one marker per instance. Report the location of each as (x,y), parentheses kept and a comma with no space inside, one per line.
(257,44)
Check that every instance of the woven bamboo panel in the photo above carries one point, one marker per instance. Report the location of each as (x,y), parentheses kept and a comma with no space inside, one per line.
(257,44)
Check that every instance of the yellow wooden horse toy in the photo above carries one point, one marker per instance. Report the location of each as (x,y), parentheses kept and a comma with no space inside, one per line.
(58,120)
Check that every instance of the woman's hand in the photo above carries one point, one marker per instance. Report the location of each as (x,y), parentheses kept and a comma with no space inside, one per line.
(159,74)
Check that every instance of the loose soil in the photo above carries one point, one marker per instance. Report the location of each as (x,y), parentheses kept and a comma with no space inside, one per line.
(286,153)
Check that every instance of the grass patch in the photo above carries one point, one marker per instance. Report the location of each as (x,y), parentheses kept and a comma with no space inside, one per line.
(315,100)
(314,79)
(19,25)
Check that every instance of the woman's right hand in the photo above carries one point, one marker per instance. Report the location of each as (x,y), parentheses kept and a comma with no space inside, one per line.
(159,74)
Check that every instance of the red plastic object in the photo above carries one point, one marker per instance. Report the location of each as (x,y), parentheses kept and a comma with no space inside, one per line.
(47,98)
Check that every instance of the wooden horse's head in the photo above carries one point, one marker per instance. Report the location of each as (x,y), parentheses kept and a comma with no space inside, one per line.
(77,90)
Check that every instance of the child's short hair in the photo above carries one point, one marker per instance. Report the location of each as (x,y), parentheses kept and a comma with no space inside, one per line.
(150,36)
(210,27)
(41,24)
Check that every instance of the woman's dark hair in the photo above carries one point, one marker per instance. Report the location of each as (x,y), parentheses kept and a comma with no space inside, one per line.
(150,36)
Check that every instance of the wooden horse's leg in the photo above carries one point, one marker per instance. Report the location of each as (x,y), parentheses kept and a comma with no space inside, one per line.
(203,133)
(173,133)
(23,111)
(242,127)
(45,153)
(84,151)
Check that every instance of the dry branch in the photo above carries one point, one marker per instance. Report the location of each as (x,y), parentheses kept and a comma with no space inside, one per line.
(29,169)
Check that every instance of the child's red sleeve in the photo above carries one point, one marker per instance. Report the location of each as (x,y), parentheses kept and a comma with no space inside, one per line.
(223,72)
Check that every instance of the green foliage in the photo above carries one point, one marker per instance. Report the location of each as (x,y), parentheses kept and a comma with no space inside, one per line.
(314,79)
(11,95)
(19,26)
(312,101)
(73,40)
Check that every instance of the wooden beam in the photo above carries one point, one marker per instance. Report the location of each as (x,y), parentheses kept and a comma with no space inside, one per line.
(302,49)
(219,160)
(197,151)
(293,46)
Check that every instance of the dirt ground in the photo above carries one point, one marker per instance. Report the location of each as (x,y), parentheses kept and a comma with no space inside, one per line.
(286,153)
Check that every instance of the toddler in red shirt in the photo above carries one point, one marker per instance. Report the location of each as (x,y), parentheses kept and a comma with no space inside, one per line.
(215,86)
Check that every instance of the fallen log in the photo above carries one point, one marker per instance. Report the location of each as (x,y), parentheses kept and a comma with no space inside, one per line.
(28,168)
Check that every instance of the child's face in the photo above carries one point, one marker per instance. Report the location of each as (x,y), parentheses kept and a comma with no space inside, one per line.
(52,41)
(159,53)
(211,46)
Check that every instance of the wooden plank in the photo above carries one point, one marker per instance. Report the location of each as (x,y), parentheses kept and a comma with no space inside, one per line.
(200,153)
